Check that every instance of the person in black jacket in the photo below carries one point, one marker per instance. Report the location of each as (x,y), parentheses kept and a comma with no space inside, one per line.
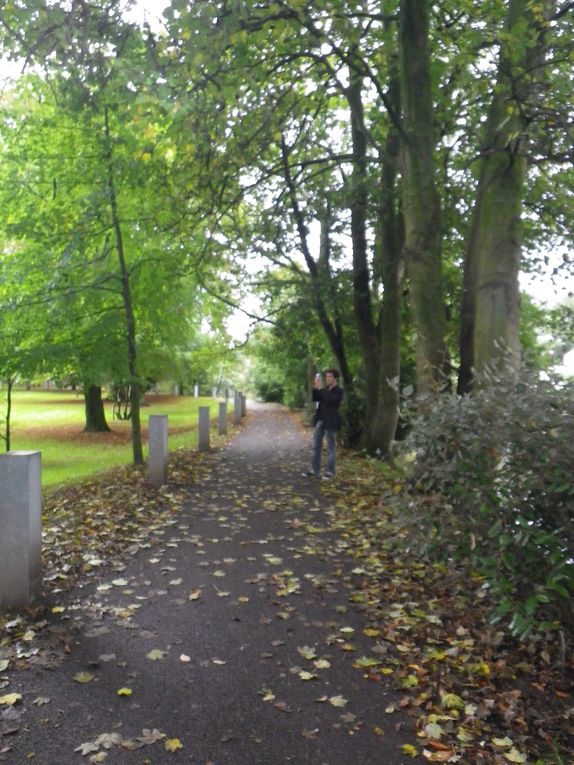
(327,421)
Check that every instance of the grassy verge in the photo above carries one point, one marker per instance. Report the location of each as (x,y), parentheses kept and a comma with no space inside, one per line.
(52,422)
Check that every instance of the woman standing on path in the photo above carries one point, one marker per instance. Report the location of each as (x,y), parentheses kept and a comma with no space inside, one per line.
(327,421)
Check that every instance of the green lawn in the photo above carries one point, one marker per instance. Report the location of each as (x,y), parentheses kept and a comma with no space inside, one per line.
(52,422)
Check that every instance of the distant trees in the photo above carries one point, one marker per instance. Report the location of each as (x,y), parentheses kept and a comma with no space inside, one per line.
(95,265)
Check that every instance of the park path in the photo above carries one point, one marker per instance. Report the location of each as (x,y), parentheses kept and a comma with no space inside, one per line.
(228,632)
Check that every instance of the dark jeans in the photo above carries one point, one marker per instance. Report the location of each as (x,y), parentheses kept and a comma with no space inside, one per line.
(318,434)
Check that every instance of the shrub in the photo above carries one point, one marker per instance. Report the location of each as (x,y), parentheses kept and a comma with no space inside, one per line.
(492,484)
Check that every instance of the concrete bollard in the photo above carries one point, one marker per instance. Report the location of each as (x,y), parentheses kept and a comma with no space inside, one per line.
(237,408)
(222,418)
(20,528)
(157,451)
(203,444)
(243,404)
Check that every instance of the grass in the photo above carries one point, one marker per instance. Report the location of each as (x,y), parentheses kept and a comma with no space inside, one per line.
(53,422)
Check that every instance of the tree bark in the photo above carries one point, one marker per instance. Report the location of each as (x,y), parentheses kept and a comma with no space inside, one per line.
(95,412)
(491,296)
(135,382)
(362,303)
(422,207)
(391,234)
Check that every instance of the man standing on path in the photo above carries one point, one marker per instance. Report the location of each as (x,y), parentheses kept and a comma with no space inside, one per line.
(327,421)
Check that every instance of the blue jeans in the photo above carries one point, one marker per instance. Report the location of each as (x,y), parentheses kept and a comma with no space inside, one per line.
(318,435)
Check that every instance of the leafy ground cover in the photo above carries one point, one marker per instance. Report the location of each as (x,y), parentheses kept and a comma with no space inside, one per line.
(475,694)
(53,422)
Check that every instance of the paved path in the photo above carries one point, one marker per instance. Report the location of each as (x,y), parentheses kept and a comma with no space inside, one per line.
(240,605)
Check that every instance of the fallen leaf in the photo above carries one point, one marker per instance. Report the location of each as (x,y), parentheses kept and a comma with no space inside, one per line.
(338,701)
(10,699)
(307,653)
(41,700)
(515,756)
(156,654)
(124,692)
(172,745)
(83,677)
(99,757)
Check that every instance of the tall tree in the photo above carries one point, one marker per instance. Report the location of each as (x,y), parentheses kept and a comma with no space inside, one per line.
(422,204)
(490,308)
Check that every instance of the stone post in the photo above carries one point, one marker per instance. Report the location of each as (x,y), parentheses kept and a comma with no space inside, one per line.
(20,528)
(222,418)
(237,408)
(243,404)
(157,449)
(203,444)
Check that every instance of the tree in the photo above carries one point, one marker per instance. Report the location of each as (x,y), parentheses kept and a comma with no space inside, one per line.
(100,193)
(490,310)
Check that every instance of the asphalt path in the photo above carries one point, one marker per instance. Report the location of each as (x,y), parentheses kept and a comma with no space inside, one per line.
(228,635)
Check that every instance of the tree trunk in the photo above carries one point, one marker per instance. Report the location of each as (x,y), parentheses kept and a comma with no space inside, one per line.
(389,265)
(422,208)
(362,303)
(490,330)
(8,427)
(95,412)
(136,389)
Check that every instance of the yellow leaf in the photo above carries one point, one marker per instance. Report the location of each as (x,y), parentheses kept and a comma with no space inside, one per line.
(503,742)
(365,662)
(124,692)
(156,654)
(58,610)
(99,757)
(173,744)
(338,701)
(452,701)
(410,750)
(515,756)
(370,632)
(10,699)
(307,653)
(83,677)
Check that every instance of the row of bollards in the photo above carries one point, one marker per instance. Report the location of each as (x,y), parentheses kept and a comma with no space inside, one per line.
(21,503)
